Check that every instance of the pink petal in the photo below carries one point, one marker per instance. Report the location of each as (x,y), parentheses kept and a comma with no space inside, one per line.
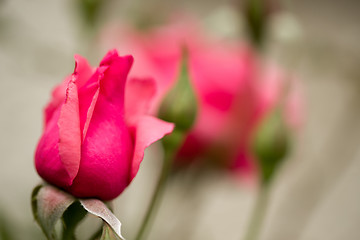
(107,147)
(155,56)
(88,95)
(218,74)
(57,98)
(148,130)
(83,72)
(109,57)
(47,158)
(69,131)
(138,97)
(113,83)
(106,153)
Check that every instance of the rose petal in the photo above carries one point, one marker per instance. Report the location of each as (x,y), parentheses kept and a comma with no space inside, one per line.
(107,147)
(148,130)
(47,158)
(57,98)
(69,131)
(83,72)
(113,83)
(138,97)
(88,95)
(106,154)
(109,57)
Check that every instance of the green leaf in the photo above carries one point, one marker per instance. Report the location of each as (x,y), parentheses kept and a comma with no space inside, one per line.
(48,206)
(108,233)
(99,209)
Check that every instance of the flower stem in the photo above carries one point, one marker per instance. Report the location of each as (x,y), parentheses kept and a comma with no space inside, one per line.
(258,213)
(157,196)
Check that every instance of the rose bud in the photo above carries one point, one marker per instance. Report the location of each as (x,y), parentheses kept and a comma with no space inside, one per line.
(97,128)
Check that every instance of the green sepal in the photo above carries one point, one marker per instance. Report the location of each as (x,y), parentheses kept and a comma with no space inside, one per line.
(100,209)
(48,206)
(71,218)
(108,233)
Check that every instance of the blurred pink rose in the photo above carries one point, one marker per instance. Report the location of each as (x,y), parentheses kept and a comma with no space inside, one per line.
(97,128)
(235,89)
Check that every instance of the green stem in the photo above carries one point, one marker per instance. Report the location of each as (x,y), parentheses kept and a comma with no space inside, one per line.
(258,213)
(157,196)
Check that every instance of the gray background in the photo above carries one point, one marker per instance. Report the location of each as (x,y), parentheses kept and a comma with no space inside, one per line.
(316,194)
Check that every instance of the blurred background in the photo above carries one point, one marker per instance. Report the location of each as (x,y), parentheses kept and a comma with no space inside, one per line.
(316,194)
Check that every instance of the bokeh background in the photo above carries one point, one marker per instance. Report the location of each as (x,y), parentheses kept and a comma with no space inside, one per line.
(316,194)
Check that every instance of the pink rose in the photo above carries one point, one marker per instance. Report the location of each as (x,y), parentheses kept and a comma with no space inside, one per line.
(235,89)
(97,128)
(236,92)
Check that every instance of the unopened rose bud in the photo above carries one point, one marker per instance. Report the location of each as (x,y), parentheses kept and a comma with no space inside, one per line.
(96,131)
(257,14)
(180,104)
(90,11)
(271,144)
